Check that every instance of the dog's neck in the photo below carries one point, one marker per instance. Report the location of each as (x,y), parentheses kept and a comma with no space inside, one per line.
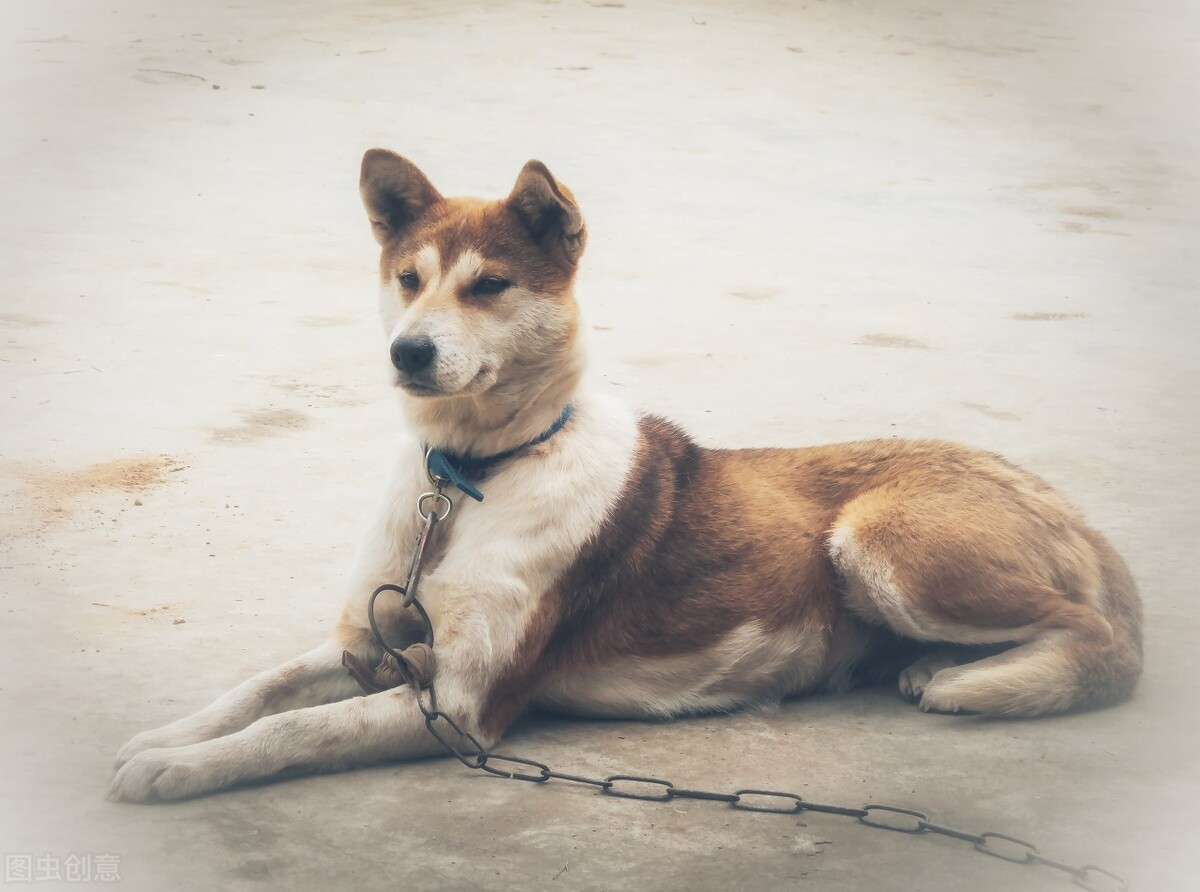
(511,413)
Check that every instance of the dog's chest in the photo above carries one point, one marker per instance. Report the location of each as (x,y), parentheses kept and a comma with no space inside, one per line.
(498,562)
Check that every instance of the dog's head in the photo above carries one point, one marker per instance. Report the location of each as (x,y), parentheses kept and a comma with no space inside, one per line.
(476,295)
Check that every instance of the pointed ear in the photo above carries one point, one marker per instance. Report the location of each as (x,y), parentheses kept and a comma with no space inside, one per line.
(549,213)
(394,192)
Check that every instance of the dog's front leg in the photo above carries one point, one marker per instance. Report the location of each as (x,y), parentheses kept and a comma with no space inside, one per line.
(358,731)
(311,679)
(316,677)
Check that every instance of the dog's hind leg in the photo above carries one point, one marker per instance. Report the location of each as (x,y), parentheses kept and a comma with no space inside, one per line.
(1034,678)
(1070,665)
(1045,586)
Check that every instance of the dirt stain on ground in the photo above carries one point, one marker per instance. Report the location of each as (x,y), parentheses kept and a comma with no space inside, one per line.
(1047,317)
(159,610)
(756,294)
(320,395)
(987,410)
(131,475)
(665,360)
(260,423)
(20,320)
(1080,227)
(891,340)
(1096,213)
(48,497)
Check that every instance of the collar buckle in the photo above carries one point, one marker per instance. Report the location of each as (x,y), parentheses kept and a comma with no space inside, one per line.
(435,478)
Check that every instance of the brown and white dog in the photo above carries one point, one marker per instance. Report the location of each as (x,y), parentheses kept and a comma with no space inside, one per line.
(619,569)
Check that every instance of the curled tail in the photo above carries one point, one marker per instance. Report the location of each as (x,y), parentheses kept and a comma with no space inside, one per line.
(1074,664)
(1108,672)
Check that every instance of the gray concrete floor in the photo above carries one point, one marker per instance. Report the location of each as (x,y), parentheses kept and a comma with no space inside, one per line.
(809,222)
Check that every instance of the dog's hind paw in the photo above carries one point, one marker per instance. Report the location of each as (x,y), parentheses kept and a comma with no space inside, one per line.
(916,678)
(947,693)
(938,704)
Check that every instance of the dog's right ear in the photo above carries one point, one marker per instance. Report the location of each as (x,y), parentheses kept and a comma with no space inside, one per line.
(394,192)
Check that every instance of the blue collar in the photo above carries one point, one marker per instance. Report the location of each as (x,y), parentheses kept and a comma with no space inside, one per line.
(461,470)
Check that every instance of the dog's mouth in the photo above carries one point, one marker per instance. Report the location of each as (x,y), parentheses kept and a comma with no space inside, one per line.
(416,387)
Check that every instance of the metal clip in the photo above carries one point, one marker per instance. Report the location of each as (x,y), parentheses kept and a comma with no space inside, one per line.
(431,517)
(436,479)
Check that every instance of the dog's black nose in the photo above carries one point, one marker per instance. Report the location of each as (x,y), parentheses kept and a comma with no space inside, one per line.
(412,355)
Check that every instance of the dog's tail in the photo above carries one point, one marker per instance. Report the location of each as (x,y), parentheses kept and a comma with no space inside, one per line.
(1107,672)
(1088,655)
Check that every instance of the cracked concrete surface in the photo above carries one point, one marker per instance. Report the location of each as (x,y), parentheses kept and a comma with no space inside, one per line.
(809,222)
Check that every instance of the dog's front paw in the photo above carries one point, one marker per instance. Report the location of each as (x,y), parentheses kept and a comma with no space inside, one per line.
(139,743)
(161,775)
(184,732)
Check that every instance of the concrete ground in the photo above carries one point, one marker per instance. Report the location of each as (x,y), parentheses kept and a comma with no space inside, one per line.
(810,221)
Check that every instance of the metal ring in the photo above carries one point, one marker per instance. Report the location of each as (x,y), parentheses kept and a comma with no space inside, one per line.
(611,790)
(1028,850)
(540,778)
(445,499)
(795,804)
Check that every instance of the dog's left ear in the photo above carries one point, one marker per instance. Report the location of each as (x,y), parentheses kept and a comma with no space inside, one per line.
(549,213)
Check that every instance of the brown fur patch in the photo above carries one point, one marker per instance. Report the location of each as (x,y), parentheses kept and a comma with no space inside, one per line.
(703,541)
(643,587)
(490,228)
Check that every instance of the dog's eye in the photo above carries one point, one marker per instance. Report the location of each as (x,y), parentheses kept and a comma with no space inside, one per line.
(409,280)
(490,285)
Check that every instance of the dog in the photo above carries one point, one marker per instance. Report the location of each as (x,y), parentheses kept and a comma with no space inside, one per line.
(616,568)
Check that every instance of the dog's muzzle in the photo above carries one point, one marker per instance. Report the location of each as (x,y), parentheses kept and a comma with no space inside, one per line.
(414,360)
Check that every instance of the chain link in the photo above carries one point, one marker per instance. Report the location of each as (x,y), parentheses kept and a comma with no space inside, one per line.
(467,749)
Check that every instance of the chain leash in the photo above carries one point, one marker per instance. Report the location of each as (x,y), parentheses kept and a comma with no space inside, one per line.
(467,749)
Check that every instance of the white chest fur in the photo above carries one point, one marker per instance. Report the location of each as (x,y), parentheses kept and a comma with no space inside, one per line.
(496,559)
